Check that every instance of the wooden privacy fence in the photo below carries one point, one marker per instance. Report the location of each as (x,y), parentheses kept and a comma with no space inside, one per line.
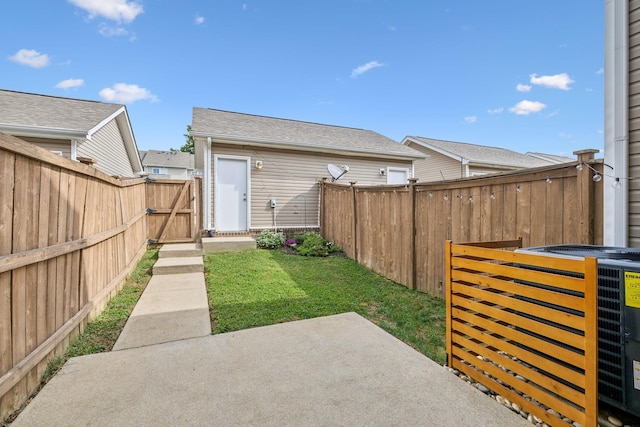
(525,326)
(69,236)
(398,231)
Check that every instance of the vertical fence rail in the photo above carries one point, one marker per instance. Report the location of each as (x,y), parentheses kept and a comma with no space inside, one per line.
(69,235)
(398,231)
(525,326)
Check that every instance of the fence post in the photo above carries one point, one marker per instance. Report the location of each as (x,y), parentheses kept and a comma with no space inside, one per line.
(412,240)
(447,295)
(355,221)
(585,195)
(323,184)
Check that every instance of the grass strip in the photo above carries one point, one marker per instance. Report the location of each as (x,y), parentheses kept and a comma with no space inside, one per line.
(262,287)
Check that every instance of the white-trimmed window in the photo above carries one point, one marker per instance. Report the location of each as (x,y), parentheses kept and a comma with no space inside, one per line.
(159,171)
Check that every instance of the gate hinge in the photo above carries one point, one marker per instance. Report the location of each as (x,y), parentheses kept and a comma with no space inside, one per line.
(148,180)
(151,241)
(150,211)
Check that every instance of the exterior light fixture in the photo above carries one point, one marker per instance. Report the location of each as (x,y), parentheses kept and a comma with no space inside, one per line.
(617,184)
(597,177)
(259,164)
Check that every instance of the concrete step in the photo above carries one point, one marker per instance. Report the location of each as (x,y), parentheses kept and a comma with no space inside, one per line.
(180,250)
(227,244)
(172,307)
(178,265)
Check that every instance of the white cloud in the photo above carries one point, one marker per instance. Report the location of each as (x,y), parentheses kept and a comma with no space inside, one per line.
(31,58)
(108,31)
(471,119)
(524,108)
(70,83)
(199,19)
(392,28)
(116,10)
(557,81)
(495,110)
(364,68)
(600,71)
(244,7)
(126,93)
(523,88)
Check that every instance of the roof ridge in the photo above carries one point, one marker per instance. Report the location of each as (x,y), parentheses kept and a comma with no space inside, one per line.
(466,143)
(284,119)
(60,97)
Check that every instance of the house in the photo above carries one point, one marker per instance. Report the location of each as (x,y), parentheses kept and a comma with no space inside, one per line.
(621,183)
(167,164)
(263,172)
(452,160)
(94,132)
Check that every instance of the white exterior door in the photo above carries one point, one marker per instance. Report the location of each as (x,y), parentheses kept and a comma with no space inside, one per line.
(397,176)
(231,193)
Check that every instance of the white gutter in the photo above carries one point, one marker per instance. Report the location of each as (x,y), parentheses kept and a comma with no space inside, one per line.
(43,132)
(616,108)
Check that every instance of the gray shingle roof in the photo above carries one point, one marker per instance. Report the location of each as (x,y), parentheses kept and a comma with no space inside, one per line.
(295,134)
(44,111)
(171,159)
(551,158)
(484,155)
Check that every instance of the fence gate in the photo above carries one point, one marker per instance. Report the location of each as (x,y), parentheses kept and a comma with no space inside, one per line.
(170,205)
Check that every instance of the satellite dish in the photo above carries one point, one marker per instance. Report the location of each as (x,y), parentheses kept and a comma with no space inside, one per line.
(336,172)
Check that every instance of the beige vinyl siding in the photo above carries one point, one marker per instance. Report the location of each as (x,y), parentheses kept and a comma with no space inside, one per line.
(171,173)
(634,122)
(63,146)
(292,179)
(427,170)
(106,147)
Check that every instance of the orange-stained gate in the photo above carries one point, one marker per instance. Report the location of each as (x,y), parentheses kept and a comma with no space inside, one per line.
(171,209)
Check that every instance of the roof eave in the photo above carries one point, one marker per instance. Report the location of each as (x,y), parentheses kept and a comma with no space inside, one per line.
(495,165)
(131,147)
(436,149)
(301,146)
(43,132)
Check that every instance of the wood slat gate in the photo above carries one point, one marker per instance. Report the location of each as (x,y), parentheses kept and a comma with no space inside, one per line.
(170,205)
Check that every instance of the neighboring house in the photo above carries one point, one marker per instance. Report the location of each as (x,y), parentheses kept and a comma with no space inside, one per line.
(94,132)
(167,164)
(452,160)
(621,181)
(263,172)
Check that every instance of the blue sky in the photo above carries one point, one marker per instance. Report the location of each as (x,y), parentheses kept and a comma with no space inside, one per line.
(517,74)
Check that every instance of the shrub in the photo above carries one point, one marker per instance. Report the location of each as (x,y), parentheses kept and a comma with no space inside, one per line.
(269,239)
(315,245)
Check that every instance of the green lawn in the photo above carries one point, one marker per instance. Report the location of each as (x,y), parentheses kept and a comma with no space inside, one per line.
(261,287)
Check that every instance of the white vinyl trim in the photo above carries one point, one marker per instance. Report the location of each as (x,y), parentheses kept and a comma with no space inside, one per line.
(616,120)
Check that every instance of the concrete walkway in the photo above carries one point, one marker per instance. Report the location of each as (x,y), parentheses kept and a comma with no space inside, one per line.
(339,370)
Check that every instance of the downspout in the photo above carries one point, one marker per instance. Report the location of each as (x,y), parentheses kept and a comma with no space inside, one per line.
(207,185)
(74,149)
(616,108)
